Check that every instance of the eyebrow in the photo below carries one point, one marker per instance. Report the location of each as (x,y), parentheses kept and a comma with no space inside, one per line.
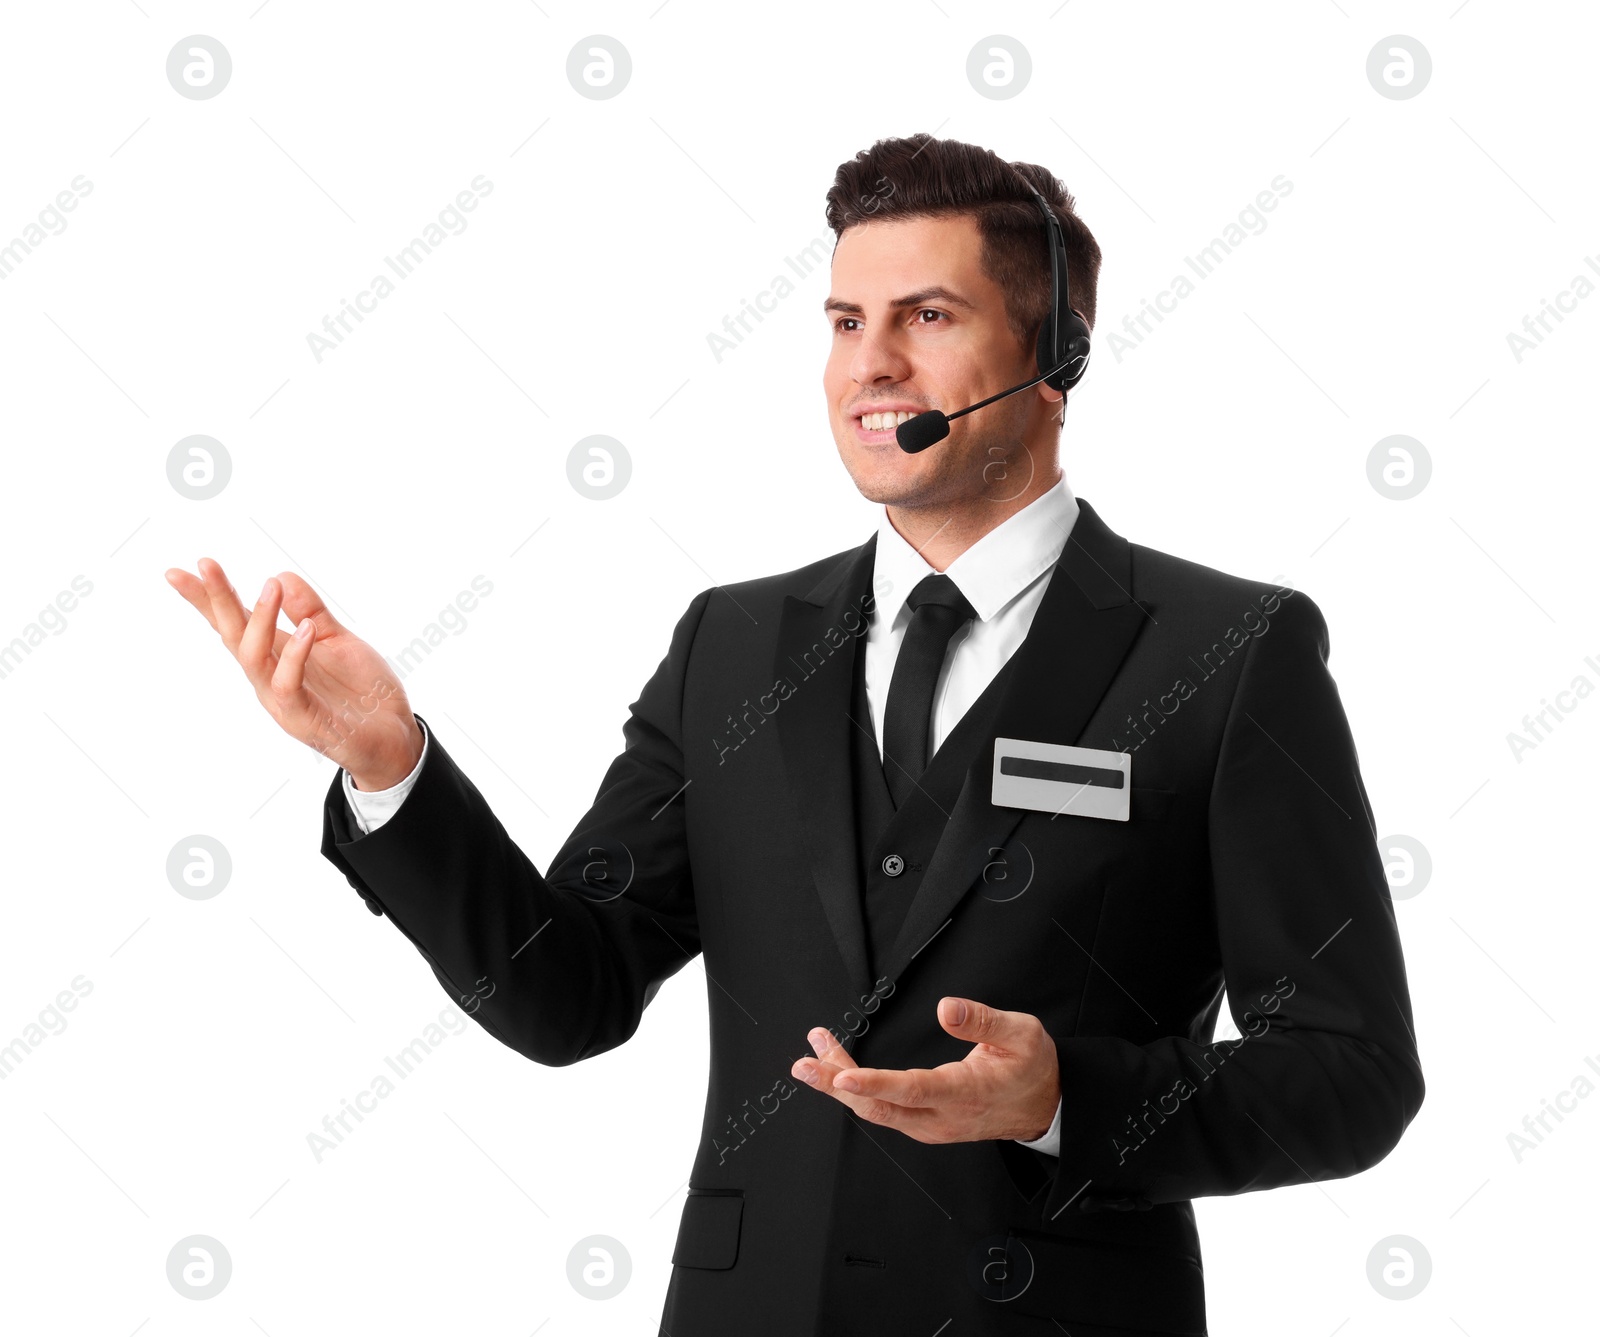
(919,298)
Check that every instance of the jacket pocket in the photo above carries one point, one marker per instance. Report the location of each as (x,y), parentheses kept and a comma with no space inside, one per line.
(1149,1290)
(708,1232)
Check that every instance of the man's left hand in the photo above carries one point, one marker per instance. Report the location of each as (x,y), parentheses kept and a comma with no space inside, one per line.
(1008,1085)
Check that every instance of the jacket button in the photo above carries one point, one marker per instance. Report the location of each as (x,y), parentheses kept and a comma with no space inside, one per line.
(894,865)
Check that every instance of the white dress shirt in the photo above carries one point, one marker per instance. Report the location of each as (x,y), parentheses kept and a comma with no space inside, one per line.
(1003,576)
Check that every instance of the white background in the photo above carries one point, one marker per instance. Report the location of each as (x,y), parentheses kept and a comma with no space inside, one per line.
(429,446)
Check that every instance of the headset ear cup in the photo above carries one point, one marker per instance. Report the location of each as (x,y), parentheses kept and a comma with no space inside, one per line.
(1074,329)
(1075,340)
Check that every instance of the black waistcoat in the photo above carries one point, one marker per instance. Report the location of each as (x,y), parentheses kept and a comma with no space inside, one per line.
(893,847)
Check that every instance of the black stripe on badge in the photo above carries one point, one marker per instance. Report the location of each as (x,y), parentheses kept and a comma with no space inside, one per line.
(1063,772)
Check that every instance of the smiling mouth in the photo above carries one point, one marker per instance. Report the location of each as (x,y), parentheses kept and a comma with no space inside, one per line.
(883,422)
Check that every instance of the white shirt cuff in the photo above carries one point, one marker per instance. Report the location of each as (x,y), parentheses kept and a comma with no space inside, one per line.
(371,808)
(1050,1143)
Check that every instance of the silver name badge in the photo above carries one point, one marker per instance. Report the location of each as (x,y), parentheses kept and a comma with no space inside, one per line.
(1053,778)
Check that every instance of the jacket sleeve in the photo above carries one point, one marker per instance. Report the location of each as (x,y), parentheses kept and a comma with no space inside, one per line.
(559,967)
(1324,1076)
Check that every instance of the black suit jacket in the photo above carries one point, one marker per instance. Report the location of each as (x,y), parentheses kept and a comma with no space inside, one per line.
(725,828)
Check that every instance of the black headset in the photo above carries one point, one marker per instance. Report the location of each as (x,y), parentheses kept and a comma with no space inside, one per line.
(1063,351)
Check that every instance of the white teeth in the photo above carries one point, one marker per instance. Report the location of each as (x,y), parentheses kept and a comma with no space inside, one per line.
(879,422)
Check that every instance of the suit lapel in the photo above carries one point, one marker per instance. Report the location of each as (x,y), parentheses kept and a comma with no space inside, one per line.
(816,653)
(1080,634)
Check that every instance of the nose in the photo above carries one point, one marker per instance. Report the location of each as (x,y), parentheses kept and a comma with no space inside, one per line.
(880,358)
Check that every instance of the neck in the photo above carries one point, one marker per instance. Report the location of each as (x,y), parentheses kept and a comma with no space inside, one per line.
(943,531)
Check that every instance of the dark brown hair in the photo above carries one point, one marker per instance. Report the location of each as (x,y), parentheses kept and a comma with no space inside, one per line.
(921,177)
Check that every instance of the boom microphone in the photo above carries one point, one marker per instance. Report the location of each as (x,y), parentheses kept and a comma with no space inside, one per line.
(930,427)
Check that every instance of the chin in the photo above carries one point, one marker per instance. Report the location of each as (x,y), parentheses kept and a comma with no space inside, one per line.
(888,485)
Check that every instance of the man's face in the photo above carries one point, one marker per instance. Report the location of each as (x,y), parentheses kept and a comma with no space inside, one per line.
(917,324)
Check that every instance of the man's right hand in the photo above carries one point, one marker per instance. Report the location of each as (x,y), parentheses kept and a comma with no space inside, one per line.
(324,686)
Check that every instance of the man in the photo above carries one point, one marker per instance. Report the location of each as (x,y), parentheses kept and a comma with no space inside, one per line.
(1010,1003)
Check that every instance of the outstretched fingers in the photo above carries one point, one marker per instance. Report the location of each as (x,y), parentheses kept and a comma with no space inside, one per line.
(228,615)
(833,1065)
(194,592)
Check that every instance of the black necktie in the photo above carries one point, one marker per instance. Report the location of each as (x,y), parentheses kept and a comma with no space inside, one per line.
(938,609)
